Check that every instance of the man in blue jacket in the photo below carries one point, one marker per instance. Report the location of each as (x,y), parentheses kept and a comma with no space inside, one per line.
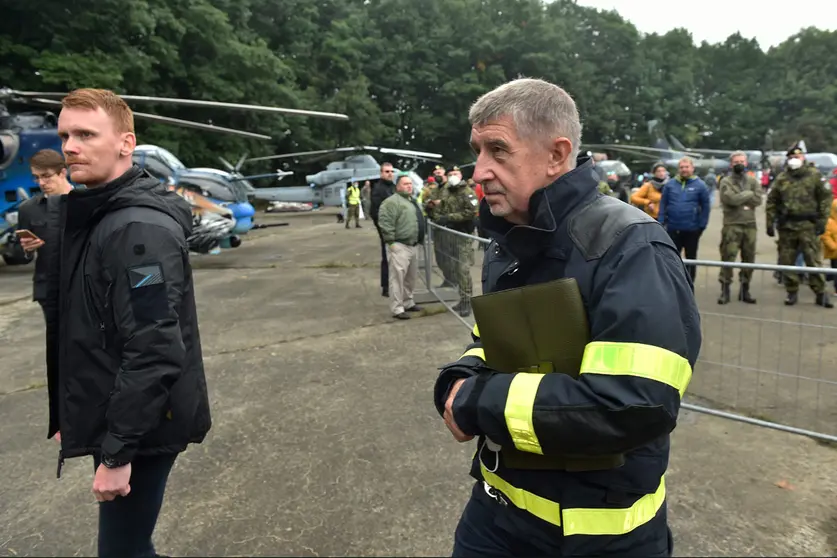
(684,210)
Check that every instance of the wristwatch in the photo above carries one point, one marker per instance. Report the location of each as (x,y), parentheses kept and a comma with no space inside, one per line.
(112,463)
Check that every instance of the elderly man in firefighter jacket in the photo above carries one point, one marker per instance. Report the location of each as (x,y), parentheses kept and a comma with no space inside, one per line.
(547,221)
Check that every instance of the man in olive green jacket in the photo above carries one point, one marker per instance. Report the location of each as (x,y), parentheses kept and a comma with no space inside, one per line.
(401,223)
(740,195)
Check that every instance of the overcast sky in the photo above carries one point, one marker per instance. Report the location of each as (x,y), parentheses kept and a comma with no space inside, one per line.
(715,20)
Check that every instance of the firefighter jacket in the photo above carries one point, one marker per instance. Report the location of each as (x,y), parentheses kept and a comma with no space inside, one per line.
(645,338)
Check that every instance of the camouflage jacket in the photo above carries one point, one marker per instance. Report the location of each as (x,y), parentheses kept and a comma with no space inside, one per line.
(740,195)
(459,208)
(436,193)
(798,199)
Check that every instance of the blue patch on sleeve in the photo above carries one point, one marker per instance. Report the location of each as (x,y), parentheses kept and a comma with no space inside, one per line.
(146,275)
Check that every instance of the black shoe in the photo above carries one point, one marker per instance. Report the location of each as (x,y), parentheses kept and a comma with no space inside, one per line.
(822,300)
(358,227)
(402,316)
(744,294)
(724,298)
(791,299)
(464,309)
(415,308)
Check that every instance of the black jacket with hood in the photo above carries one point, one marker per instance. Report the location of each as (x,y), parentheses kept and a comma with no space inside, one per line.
(124,365)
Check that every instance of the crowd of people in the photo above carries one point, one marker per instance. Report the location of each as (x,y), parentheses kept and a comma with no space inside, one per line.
(799,207)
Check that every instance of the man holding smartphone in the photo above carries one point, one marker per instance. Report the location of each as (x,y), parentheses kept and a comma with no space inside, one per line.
(38,216)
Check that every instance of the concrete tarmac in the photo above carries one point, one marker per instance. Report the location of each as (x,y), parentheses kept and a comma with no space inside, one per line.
(325,439)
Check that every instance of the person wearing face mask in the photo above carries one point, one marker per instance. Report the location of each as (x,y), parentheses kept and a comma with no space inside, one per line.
(798,207)
(457,211)
(649,195)
(740,195)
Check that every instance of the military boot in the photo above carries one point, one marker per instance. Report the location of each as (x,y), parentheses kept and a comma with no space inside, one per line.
(724,298)
(791,299)
(744,294)
(822,300)
(464,307)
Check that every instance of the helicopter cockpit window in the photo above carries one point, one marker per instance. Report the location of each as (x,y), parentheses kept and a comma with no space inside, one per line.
(170,160)
(208,186)
(154,167)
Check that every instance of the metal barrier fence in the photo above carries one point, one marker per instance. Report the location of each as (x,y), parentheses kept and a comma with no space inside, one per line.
(766,364)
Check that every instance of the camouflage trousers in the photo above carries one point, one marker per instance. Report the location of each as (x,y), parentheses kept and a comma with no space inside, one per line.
(463,260)
(735,239)
(443,247)
(807,242)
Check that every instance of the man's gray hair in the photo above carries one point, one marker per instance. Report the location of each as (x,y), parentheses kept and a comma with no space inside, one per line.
(737,154)
(686,159)
(539,109)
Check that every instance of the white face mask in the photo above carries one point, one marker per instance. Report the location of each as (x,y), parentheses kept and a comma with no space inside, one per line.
(454,180)
(794,164)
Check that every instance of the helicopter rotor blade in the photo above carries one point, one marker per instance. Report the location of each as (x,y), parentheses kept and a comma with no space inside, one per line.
(639,149)
(303,154)
(179,122)
(198,103)
(412,154)
(227,164)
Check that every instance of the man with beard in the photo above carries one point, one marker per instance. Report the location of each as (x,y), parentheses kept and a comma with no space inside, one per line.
(740,195)
(799,206)
(124,367)
(649,195)
(533,496)
(39,215)
(381,190)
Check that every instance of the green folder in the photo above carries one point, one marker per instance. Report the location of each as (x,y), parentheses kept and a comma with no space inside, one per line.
(540,328)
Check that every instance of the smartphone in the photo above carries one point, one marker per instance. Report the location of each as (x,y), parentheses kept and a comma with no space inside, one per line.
(25,233)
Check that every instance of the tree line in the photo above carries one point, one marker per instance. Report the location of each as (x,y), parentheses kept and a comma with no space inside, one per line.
(406,71)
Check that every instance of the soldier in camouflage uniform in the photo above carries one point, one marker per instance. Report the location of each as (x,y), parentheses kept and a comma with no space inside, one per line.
(432,208)
(740,195)
(458,211)
(799,206)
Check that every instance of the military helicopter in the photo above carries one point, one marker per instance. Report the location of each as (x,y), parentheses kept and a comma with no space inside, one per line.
(220,200)
(327,186)
(22,134)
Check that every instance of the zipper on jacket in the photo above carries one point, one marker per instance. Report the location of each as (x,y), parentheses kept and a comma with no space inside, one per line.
(60,463)
(102,326)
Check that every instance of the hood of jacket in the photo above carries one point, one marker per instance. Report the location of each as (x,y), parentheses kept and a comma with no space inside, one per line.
(135,188)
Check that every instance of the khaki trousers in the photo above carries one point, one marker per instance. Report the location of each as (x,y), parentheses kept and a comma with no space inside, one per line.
(403,272)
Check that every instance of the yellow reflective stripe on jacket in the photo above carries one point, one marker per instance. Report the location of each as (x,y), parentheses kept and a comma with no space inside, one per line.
(520,405)
(476,351)
(635,359)
(476,330)
(582,521)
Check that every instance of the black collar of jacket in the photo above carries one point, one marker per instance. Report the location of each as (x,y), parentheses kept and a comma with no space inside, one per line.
(89,204)
(548,208)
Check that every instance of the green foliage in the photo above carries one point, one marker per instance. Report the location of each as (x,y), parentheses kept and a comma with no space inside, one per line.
(406,71)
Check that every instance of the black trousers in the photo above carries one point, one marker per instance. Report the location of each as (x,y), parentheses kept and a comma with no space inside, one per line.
(384,263)
(688,241)
(126,523)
